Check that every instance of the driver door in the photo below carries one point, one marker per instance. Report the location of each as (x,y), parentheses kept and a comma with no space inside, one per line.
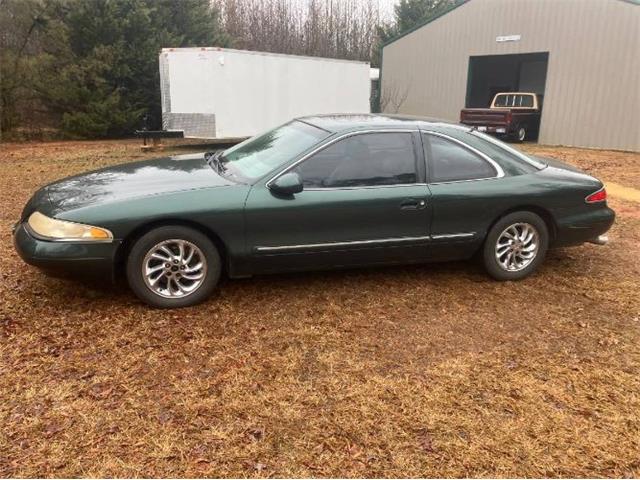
(365,201)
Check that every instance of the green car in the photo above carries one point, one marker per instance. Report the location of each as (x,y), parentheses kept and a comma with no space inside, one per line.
(318,192)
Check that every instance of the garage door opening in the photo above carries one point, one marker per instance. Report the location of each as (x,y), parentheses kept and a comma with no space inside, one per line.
(491,74)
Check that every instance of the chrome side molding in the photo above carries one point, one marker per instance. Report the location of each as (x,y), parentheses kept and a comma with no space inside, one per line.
(453,235)
(356,243)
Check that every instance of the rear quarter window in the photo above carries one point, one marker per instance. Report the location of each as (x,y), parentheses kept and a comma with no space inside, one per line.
(510,163)
(452,162)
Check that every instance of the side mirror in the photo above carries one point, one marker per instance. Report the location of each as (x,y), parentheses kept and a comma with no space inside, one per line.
(287,184)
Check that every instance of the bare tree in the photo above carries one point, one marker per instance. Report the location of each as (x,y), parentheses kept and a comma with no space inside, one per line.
(393,97)
(328,28)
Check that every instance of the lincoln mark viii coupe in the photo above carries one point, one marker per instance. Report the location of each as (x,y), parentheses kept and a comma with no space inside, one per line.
(318,192)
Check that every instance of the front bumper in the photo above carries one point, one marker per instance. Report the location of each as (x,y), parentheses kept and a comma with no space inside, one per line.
(77,259)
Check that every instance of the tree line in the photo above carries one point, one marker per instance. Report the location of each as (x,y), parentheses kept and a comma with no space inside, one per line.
(89,68)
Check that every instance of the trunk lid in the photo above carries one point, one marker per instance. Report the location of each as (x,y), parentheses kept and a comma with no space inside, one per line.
(552,162)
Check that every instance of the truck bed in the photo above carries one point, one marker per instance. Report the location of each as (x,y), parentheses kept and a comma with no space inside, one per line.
(486,119)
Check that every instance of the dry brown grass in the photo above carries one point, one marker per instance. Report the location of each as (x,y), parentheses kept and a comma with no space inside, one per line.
(615,166)
(412,371)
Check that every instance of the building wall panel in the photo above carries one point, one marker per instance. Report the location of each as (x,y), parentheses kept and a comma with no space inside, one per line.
(592,94)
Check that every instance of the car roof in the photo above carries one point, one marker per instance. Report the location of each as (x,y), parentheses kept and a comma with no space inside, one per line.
(359,121)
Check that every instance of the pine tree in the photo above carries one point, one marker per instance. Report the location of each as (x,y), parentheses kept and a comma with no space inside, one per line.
(409,14)
(101,72)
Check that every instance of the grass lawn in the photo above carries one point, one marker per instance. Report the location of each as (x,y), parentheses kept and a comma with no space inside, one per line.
(431,370)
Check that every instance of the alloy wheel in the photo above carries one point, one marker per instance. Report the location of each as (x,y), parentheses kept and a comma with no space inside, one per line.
(174,268)
(517,246)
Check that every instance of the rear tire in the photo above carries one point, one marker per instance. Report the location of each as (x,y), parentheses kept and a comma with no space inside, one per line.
(515,246)
(520,134)
(173,267)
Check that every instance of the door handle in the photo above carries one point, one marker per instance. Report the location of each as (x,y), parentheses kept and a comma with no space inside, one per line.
(413,204)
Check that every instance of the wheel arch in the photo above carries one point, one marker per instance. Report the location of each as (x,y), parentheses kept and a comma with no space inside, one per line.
(125,247)
(542,212)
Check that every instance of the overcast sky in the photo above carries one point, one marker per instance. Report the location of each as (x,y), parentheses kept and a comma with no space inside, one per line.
(386,8)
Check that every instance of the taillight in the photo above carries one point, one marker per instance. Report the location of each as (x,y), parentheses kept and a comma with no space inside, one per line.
(509,117)
(599,196)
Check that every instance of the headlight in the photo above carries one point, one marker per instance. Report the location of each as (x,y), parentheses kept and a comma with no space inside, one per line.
(61,230)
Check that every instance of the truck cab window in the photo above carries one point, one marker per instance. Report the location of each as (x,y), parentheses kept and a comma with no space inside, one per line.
(526,101)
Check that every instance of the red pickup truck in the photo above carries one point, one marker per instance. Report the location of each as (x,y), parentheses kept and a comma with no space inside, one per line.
(515,115)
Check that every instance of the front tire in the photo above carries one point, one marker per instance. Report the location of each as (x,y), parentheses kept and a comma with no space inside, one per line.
(173,267)
(515,246)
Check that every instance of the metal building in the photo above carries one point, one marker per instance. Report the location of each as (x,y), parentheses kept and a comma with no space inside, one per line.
(581,56)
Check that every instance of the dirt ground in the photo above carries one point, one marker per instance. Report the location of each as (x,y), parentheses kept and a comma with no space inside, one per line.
(431,371)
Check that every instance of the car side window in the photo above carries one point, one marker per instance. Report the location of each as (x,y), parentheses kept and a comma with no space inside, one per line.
(362,160)
(450,162)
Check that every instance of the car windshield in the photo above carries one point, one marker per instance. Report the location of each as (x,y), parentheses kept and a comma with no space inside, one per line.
(260,155)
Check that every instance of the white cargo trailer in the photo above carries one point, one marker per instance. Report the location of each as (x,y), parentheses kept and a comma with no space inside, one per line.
(223,93)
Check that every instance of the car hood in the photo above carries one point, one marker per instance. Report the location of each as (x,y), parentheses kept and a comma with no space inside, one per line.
(131,180)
